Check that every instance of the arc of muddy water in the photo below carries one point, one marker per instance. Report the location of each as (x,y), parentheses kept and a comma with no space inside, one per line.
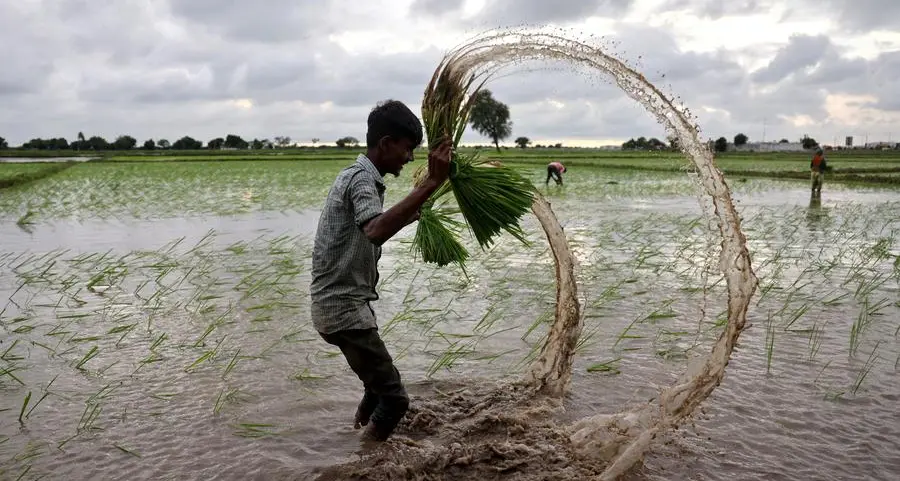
(622,439)
(551,371)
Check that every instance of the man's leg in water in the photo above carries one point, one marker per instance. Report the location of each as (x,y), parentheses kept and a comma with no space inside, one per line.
(385,400)
(550,172)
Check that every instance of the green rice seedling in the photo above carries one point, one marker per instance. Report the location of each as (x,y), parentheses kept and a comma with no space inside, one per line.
(89,417)
(159,340)
(8,355)
(231,364)
(625,332)
(306,375)
(407,315)
(587,338)
(222,399)
(455,351)
(607,367)
(488,319)
(863,319)
(254,430)
(163,396)
(206,356)
(770,343)
(795,316)
(544,318)
(127,451)
(92,353)
(836,301)
(152,358)
(866,369)
(663,312)
(23,473)
(815,340)
(24,406)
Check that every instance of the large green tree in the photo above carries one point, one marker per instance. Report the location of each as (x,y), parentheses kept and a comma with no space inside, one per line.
(124,142)
(186,143)
(721,144)
(490,117)
(233,141)
(347,142)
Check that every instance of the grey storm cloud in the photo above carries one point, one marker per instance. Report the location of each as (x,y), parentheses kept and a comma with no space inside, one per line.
(802,51)
(259,21)
(860,15)
(511,12)
(715,9)
(544,11)
(167,68)
(436,7)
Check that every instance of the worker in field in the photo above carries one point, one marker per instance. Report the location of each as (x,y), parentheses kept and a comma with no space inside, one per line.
(555,169)
(817,167)
(352,229)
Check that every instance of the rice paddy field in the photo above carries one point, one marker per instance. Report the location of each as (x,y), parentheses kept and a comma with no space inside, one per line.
(154,320)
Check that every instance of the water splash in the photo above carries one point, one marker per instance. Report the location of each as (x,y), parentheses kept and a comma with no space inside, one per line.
(505,429)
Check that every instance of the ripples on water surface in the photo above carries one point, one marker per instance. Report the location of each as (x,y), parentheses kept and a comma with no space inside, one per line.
(158,319)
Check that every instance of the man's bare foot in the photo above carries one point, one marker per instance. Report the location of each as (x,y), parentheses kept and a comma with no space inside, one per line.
(364,410)
(373,435)
(359,420)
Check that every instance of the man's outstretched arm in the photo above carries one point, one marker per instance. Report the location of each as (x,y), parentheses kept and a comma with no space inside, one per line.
(381,228)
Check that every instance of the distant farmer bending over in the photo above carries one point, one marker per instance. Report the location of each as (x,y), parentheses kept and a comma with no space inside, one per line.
(817,166)
(351,231)
(555,170)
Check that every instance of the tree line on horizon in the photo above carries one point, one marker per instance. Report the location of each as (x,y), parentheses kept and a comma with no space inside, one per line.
(489,117)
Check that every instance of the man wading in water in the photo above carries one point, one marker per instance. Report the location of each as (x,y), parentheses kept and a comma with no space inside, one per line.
(351,230)
(817,166)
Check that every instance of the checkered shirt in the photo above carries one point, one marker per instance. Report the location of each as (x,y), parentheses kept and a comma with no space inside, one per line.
(345,261)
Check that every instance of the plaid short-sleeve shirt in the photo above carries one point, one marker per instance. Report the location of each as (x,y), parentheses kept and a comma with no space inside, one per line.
(345,261)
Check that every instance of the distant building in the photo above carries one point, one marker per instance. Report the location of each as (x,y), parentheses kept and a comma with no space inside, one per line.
(767,147)
(880,145)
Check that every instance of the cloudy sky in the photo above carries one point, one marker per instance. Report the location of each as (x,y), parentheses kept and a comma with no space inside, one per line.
(313,69)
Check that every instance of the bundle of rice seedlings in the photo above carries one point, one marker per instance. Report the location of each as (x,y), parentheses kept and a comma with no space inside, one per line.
(491,198)
(436,238)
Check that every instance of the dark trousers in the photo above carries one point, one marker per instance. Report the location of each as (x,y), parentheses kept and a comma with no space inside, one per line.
(552,172)
(385,400)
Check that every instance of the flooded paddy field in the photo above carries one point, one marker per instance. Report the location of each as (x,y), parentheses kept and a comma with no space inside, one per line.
(157,321)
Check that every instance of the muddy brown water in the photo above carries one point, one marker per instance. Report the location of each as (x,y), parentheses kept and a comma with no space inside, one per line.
(282,411)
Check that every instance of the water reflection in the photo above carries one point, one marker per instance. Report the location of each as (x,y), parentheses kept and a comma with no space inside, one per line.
(816,215)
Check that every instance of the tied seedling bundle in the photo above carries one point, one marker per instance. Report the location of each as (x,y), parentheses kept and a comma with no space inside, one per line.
(491,197)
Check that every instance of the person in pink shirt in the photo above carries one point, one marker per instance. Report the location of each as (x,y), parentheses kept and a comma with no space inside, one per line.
(555,170)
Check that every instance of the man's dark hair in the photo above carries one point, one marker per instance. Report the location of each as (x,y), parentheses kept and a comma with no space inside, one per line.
(394,119)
